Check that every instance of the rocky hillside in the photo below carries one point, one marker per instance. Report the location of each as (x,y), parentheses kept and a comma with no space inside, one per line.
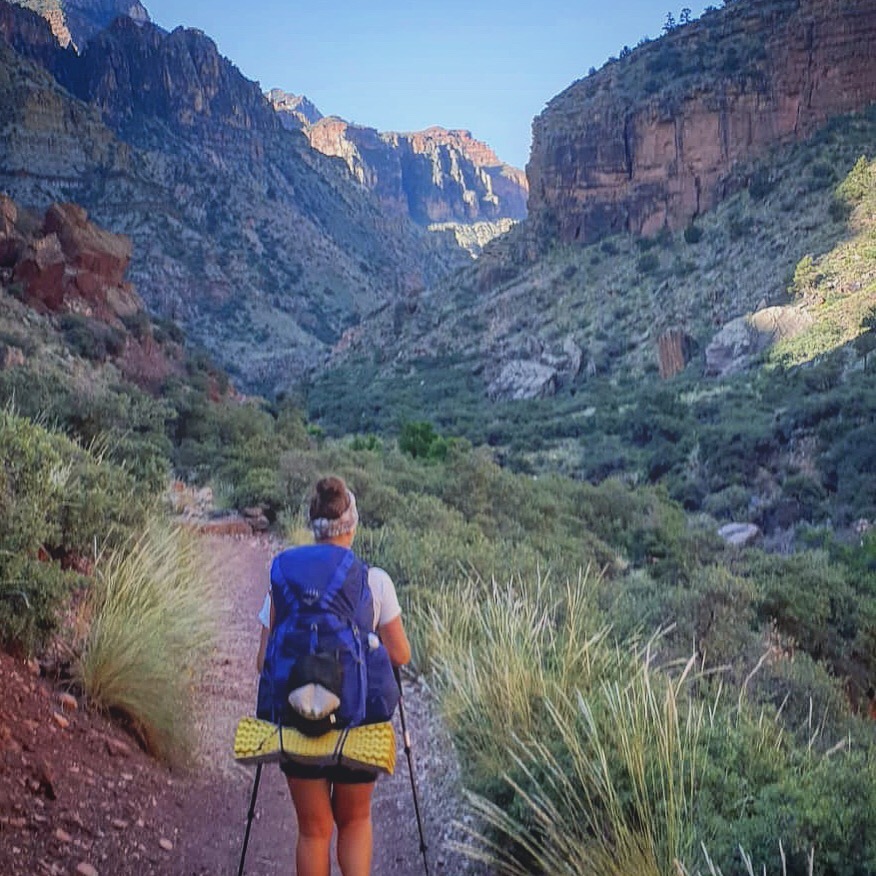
(582,344)
(63,266)
(673,193)
(433,176)
(75,22)
(260,246)
(652,139)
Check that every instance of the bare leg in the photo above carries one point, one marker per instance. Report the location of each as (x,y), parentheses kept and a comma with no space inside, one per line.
(313,807)
(352,809)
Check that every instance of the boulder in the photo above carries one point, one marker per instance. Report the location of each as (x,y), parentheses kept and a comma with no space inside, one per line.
(739,534)
(521,379)
(742,340)
(87,247)
(673,352)
(41,271)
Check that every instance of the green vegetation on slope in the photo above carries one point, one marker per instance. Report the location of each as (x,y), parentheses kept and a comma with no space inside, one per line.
(570,579)
(766,445)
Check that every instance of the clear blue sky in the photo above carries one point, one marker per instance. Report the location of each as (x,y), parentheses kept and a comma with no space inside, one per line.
(483,65)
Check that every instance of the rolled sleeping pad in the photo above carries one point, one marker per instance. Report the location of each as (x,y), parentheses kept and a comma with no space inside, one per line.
(367,747)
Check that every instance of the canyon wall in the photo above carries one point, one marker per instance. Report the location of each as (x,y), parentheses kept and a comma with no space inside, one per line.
(75,22)
(664,133)
(432,176)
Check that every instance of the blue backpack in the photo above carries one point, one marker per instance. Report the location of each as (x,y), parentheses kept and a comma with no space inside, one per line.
(325,667)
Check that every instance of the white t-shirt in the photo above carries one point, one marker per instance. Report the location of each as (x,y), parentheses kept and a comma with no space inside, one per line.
(386,604)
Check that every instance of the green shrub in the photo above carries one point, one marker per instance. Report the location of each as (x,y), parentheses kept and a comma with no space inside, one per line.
(56,500)
(693,234)
(33,474)
(33,595)
(859,182)
(760,184)
(421,441)
(91,338)
(648,263)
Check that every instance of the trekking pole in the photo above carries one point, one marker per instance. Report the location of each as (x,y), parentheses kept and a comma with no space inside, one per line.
(249,817)
(407,740)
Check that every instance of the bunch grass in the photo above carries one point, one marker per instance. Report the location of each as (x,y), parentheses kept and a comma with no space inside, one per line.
(611,791)
(150,623)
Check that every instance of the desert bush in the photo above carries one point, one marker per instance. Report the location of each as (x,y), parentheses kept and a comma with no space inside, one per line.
(858,183)
(149,625)
(648,263)
(32,592)
(91,338)
(421,441)
(760,184)
(693,234)
(56,499)
(812,601)
(731,503)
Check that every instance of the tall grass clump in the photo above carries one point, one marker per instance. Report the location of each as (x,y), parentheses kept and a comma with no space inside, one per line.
(498,652)
(149,625)
(609,790)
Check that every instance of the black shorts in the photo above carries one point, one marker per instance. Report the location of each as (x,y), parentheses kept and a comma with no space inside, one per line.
(341,775)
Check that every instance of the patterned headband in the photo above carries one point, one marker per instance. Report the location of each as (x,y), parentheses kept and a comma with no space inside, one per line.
(324,528)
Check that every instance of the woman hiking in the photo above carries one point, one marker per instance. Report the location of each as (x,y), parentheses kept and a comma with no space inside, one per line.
(325,796)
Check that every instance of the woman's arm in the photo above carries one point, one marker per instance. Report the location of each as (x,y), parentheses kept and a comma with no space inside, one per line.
(395,640)
(263,646)
(266,632)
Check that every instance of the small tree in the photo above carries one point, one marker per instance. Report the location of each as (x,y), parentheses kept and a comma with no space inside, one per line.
(865,343)
(670,23)
(684,18)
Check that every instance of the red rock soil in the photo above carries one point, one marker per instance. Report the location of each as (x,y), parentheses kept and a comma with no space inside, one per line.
(79,796)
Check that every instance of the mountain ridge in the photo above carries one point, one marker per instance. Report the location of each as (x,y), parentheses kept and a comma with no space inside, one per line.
(75,22)
(258,244)
(436,175)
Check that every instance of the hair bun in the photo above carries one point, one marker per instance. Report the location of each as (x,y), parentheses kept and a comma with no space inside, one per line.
(330,499)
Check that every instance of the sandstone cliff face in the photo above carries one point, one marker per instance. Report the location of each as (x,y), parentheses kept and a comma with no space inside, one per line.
(653,140)
(75,22)
(433,176)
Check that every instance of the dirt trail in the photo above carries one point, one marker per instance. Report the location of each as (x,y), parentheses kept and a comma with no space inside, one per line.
(78,796)
(215,805)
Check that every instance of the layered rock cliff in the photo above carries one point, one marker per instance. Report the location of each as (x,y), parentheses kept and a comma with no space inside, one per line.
(433,176)
(75,22)
(263,248)
(662,135)
(295,110)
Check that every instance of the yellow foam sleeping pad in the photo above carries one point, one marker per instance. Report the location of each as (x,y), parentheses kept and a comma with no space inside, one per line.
(369,747)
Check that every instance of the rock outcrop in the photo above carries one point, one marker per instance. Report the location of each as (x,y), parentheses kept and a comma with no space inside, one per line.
(662,135)
(738,344)
(674,349)
(75,22)
(64,266)
(295,110)
(521,379)
(433,176)
(68,265)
